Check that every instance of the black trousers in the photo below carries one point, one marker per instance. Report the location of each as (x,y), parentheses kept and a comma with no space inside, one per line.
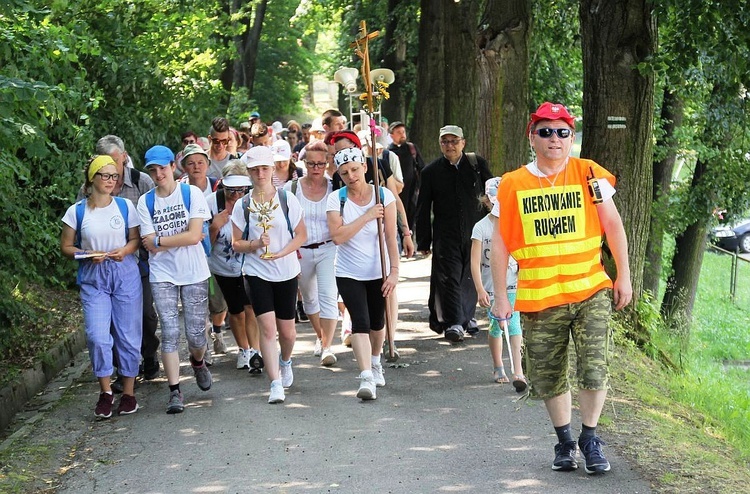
(453,298)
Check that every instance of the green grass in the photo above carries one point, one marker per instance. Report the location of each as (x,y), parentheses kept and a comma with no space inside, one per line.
(718,393)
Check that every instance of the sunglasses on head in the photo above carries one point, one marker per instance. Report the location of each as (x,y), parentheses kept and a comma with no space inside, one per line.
(546,133)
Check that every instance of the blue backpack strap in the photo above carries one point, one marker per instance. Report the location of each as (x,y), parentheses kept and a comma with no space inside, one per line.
(150,197)
(124,212)
(80,211)
(342,198)
(185,189)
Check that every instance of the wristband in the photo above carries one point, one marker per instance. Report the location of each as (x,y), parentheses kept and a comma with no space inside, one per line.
(407,234)
(156,241)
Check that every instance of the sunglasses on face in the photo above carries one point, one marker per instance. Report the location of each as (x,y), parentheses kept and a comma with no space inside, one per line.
(188,141)
(108,176)
(312,164)
(236,190)
(450,142)
(546,133)
(222,142)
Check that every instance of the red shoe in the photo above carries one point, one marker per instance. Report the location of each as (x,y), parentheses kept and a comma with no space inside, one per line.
(103,408)
(127,405)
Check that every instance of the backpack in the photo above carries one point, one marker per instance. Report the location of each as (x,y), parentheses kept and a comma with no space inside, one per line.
(185,190)
(81,210)
(342,198)
(472,157)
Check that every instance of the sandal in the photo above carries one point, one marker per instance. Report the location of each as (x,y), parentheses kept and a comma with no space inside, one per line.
(499,375)
(519,382)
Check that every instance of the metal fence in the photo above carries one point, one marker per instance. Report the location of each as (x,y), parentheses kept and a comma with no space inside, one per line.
(738,266)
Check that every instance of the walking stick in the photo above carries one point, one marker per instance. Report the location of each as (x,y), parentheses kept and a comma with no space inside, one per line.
(361,48)
(507,344)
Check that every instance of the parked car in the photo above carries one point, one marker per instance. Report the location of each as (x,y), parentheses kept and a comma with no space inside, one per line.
(733,237)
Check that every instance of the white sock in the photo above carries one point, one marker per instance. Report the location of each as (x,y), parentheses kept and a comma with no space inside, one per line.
(375,361)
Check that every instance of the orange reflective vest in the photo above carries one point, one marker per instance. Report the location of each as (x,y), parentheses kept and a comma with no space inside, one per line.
(555,235)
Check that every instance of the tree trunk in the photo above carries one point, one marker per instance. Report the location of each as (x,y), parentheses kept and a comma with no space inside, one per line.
(682,284)
(250,45)
(618,103)
(429,111)
(227,72)
(460,70)
(394,108)
(671,116)
(503,83)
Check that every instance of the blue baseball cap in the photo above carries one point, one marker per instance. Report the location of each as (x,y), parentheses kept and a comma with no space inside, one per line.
(159,155)
(255,114)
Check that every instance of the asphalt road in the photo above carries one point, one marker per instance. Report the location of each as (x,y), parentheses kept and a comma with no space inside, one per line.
(439,425)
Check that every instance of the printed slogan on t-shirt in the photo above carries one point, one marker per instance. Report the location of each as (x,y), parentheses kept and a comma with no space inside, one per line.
(552,214)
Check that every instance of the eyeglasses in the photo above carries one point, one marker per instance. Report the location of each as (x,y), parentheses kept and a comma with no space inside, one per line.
(451,142)
(108,176)
(546,133)
(188,141)
(312,164)
(236,190)
(222,142)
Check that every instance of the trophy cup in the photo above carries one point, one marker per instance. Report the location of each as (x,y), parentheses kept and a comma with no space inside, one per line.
(263,210)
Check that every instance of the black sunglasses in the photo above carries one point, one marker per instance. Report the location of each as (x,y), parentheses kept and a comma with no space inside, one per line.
(546,133)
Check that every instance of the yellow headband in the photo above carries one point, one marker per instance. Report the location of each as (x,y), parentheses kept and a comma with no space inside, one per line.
(99,162)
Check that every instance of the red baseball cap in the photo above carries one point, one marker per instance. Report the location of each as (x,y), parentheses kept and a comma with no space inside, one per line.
(331,138)
(551,111)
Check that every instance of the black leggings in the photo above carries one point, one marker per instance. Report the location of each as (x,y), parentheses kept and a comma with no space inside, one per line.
(279,297)
(365,303)
(235,291)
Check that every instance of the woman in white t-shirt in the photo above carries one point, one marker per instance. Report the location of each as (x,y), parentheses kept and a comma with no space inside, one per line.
(317,281)
(271,265)
(102,232)
(171,230)
(481,272)
(352,220)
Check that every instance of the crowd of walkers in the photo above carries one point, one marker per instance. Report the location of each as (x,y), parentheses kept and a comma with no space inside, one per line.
(263,226)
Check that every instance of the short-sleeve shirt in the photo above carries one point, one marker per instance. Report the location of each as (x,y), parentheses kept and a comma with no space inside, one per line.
(103,229)
(282,269)
(482,231)
(184,265)
(358,258)
(223,261)
(316,221)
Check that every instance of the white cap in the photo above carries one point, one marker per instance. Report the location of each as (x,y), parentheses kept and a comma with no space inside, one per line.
(237,181)
(259,156)
(317,125)
(277,127)
(282,151)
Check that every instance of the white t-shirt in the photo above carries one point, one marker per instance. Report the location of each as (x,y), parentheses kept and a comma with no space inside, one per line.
(316,221)
(223,261)
(282,269)
(359,257)
(482,231)
(103,229)
(184,265)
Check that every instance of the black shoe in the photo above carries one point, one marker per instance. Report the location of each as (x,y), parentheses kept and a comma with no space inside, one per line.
(150,369)
(472,327)
(301,312)
(565,457)
(116,385)
(454,333)
(591,448)
(256,363)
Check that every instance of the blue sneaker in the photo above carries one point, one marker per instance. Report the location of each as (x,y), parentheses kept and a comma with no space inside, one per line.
(591,448)
(565,457)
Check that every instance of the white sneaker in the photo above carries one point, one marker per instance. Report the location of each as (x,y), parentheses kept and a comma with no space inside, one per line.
(287,376)
(328,358)
(366,389)
(318,349)
(219,345)
(277,392)
(346,337)
(378,376)
(243,359)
